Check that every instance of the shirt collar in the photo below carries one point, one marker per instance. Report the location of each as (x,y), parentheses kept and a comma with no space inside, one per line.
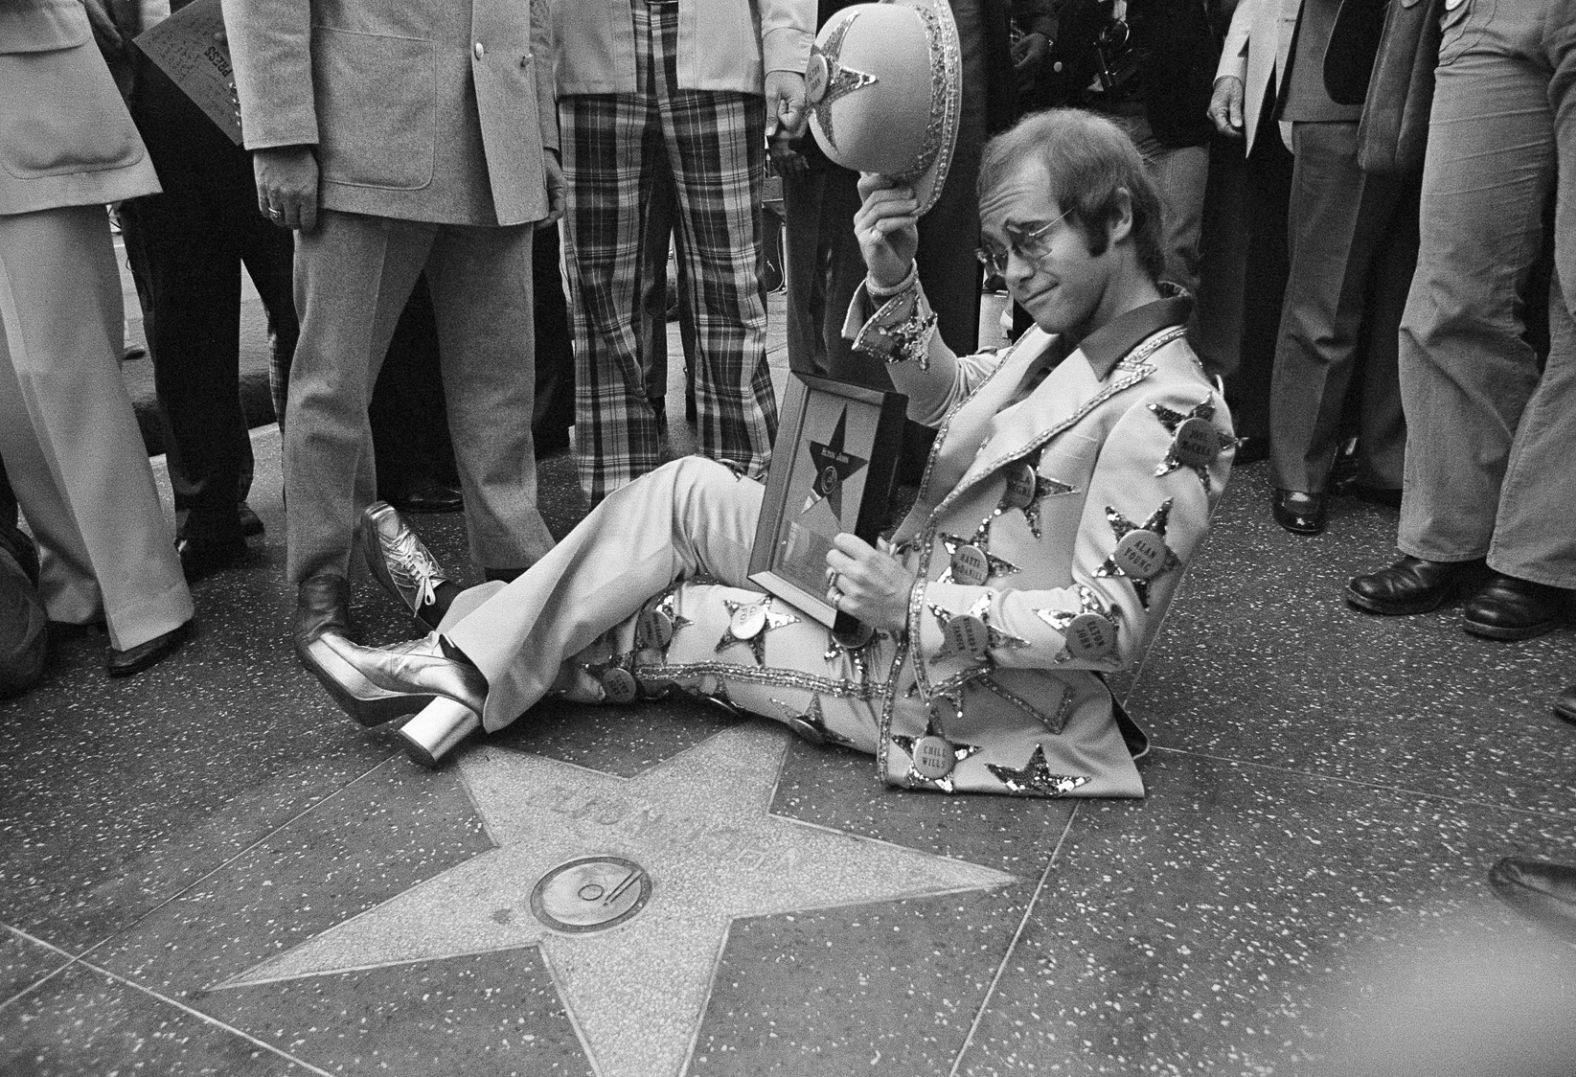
(1112,342)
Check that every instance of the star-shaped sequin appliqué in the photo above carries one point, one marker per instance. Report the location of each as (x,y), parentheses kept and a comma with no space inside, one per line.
(1036,778)
(1026,488)
(840,81)
(1195,441)
(980,540)
(960,752)
(748,622)
(811,722)
(832,466)
(1122,566)
(1089,604)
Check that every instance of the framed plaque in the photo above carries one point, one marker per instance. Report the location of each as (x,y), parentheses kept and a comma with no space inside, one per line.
(833,467)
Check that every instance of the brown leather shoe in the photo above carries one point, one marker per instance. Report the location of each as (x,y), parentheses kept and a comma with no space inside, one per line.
(1412,585)
(1510,608)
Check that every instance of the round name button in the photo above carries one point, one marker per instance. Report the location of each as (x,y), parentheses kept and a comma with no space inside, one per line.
(1090,636)
(970,565)
(967,635)
(1197,442)
(934,757)
(747,621)
(656,628)
(1140,554)
(619,684)
(1021,484)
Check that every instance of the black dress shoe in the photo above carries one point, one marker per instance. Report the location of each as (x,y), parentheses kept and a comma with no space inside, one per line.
(1510,608)
(251,523)
(1297,512)
(136,659)
(200,557)
(428,495)
(1565,704)
(1412,585)
(1539,889)
(322,605)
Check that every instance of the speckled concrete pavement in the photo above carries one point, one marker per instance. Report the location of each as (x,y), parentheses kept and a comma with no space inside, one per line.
(207,869)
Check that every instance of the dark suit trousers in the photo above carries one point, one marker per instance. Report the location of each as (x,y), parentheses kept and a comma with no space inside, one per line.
(1353,247)
(187,246)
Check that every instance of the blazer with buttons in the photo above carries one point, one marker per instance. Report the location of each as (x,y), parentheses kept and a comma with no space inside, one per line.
(1080,499)
(66,138)
(419,110)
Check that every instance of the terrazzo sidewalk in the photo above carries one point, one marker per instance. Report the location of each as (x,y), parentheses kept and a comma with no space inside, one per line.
(208,869)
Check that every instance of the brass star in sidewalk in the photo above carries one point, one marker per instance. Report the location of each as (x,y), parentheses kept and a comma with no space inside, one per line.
(692,845)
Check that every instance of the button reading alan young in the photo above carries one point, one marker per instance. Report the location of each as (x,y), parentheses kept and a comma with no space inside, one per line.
(1140,553)
(593,893)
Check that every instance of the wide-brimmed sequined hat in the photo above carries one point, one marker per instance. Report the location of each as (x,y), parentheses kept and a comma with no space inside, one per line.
(885,85)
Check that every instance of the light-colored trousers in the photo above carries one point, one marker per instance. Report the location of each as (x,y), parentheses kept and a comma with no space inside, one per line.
(68,436)
(353,275)
(560,625)
(1489,468)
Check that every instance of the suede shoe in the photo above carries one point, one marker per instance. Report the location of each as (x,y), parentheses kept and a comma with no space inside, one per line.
(1538,889)
(1298,512)
(322,606)
(401,562)
(1565,704)
(134,660)
(1511,608)
(1411,585)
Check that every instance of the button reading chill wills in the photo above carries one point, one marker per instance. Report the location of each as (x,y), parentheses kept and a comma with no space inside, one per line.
(590,894)
(934,757)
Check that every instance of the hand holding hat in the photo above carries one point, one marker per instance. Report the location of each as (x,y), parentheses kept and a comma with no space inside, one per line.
(887,228)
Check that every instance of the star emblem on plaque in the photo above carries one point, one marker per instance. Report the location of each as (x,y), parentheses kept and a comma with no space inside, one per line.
(970,561)
(1026,488)
(933,758)
(833,466)
(810,723)
(1089,631)
(1035,778)
(826,80)
(748,622)
(1141,552)
(1195,441)
(971,634)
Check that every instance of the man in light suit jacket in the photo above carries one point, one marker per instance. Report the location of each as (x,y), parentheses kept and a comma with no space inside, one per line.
(67,435)
(1353,243)
(396,138)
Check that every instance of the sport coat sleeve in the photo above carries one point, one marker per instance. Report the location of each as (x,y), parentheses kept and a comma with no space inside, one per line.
(1234,53)
(787,32)
(545,58)
(271,49)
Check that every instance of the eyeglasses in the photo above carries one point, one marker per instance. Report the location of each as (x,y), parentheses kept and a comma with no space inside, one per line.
(1029,244)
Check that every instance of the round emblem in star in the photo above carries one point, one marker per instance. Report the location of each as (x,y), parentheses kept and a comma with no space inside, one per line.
(967,634)
(656,628)
(1197,442)
(619,685)
(1140,553)
(970,565)
(1090,636)
(590,894)
(748,622)
(934,757)
(1020,486)
(816,76)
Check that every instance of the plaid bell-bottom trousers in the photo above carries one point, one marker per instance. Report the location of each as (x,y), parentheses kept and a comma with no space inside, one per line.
(712,143)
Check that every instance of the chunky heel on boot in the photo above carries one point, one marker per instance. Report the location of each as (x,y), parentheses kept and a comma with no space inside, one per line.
(435,732)
(356,695)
